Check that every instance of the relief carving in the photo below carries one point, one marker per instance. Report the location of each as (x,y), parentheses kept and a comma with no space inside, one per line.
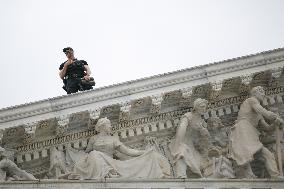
(1,135)
(246,79)
(244,137)
(138,102)
(29,133)
(218,151)
(57,163)
(97,161)
(94,116)
(62,126)
(215,93)
(9,171)
(152,142)
(190,145)
(43,125)
(124,112)
(276,73)
(186,92)
(107,110)
(218,134)
(156,104)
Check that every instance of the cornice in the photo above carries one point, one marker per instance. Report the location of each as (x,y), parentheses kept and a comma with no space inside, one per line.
(197,73)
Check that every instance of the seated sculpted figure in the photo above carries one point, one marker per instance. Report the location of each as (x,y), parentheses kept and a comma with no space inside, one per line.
(98,162)
(190,146)
(245,142)
(10,171)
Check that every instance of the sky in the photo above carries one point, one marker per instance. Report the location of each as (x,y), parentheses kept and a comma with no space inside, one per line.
(124,40)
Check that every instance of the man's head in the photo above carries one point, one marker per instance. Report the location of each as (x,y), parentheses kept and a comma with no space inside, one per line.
(69,52)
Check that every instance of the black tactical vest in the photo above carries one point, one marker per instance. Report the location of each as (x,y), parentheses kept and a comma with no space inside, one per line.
(76,70)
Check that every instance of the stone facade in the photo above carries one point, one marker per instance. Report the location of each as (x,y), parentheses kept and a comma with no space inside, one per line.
(147,112)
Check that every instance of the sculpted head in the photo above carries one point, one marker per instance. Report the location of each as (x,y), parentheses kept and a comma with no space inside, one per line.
(200,105)
(258,92)
(103,125)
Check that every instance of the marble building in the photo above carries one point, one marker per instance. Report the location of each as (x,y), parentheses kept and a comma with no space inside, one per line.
(216,126)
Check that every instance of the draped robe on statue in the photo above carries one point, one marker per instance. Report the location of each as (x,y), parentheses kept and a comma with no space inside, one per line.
(244,134)
(185,143)
(99,162)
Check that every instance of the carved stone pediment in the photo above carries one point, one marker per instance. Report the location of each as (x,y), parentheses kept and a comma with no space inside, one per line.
(145,114)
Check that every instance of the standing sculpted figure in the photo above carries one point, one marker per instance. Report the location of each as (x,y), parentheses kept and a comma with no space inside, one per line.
(57,163)
(190,145)
(245,135)
(98,161)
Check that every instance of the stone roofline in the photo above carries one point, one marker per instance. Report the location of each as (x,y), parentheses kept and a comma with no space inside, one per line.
(135,89)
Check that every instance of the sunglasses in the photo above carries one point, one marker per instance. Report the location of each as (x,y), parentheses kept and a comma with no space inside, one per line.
(69,51)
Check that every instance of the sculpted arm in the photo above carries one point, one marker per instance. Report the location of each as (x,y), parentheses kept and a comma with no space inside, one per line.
(262,111)
(276,123)
(128,151)
(266,126)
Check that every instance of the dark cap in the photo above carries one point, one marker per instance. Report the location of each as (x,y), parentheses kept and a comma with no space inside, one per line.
(65,50)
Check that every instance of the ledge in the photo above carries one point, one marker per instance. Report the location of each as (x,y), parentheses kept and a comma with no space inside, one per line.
(149,183)
(191,77)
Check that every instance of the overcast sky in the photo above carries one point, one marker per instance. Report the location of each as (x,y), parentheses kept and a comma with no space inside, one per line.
(124,40)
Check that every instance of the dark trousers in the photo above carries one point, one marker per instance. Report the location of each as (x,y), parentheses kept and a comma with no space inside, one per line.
(74,85)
